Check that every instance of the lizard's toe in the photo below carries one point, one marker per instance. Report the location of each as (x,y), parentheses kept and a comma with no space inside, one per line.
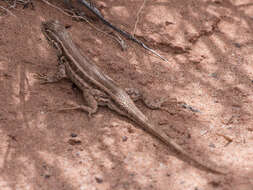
(41,77)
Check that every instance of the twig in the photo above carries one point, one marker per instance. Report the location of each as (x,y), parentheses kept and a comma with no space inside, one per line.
(120,41)
(138,16)
(129,36)
(227,138)
(25,3)
(68,13)
(8,11)
(58,8)
(124,33)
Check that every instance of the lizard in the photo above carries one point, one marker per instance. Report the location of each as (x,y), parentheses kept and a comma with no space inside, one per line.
(98,88)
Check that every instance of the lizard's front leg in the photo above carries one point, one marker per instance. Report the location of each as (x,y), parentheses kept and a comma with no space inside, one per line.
(92,105)
(155,104)
(52,78)
(104,100)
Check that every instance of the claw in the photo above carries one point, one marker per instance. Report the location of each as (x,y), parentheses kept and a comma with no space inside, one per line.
(90,115)
(42,78)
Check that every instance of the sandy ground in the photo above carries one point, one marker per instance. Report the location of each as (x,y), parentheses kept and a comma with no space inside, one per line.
(209,45)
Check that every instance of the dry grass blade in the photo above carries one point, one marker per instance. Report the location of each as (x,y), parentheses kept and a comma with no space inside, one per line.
(138,16)
(58,8)
(8,11)
(73,15)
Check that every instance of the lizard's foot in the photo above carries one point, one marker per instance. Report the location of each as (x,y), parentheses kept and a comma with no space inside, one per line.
(134,94)
(154,104)
(91,108)
(43,78)
(92,105)
(52,78)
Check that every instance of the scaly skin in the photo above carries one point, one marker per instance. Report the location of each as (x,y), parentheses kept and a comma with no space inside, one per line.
(87,75)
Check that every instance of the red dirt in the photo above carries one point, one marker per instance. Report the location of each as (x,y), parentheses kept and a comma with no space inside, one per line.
(209,45)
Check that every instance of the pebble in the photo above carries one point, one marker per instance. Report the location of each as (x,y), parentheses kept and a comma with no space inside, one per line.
(212,145)
(124,138)
(73,135)
(74,142)
(238,45)
(98,180)
(47,176)
(214,75)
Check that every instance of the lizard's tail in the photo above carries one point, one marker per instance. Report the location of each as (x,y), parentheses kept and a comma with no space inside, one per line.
(171,143)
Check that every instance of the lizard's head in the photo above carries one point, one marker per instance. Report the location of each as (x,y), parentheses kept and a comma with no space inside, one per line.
(52,29)
(52,25)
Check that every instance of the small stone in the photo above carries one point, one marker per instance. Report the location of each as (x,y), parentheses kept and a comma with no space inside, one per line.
(73,135)
(212,145)
(98,180)
(13,137)
(47,176)
(203,132)
(250,129)
(124,138)
(68,26)
(238,45)
(215,183)
(74,142)
(130,130)
(114,124)
(217,1)
(44,166)
(168,23)
(214,75)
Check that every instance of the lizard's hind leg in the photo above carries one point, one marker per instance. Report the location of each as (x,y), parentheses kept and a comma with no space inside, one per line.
(92,105)
(104,100)
(156,104)
(95,98)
